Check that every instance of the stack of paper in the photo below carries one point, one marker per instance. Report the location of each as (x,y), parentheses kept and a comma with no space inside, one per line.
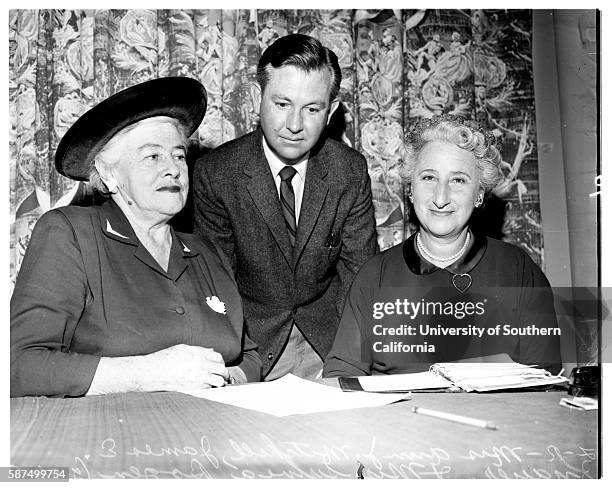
(495,376)
(486,373)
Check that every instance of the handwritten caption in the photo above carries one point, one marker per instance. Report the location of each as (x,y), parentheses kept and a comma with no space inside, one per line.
(266,458)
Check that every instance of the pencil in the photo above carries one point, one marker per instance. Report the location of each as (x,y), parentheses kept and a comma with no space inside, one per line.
(485,424)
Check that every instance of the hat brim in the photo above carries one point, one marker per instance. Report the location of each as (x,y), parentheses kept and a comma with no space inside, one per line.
(178,97)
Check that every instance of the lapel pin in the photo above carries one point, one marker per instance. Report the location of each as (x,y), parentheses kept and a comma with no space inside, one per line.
(216,304)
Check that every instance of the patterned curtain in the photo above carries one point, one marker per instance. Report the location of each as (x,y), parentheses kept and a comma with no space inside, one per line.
(398,66)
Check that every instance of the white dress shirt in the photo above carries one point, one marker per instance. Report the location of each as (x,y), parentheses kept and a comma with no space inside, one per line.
(297,182)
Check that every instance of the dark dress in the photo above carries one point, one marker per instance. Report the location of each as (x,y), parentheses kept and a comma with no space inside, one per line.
(88,288)
(507,288)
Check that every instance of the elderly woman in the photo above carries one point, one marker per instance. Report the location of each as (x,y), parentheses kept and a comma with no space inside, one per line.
(110,298)
(446,293)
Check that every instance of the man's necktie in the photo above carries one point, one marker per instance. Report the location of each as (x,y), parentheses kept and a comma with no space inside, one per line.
(287,198)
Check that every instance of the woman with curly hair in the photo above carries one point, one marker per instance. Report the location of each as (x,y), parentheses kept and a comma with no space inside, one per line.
(446,293)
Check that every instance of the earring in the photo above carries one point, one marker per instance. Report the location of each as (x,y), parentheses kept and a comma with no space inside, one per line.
(410,196)
(479,200)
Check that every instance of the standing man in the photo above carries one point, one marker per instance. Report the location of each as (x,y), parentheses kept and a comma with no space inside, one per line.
(291,208)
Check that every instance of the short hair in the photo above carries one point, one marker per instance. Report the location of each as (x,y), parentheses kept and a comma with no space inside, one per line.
(96,181)
(108,154)
(464,134)
(303,52)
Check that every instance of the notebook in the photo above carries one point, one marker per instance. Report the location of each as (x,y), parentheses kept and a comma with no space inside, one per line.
(496,372)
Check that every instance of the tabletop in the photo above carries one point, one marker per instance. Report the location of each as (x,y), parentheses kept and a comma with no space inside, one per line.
(173,435)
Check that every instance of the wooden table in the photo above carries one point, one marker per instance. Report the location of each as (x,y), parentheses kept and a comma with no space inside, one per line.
(167,435)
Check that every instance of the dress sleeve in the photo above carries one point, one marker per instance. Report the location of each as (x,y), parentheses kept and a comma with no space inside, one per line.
(351,353)
(48,300)
(537,308)
(250,362)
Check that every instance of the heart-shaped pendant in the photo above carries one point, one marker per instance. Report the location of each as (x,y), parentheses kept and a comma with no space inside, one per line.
(462,281)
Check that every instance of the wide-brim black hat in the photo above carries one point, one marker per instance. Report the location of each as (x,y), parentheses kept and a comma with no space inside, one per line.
(178,97)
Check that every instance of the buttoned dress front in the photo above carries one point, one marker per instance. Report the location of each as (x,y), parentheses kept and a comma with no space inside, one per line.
(88,288)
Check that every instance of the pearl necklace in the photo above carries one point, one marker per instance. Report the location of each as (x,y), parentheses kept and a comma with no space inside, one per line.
(427,254)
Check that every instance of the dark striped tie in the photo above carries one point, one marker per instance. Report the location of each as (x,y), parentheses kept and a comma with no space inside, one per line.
(287,198)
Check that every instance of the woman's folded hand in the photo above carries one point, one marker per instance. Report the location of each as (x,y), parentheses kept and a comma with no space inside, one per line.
(176,368)
(184,367)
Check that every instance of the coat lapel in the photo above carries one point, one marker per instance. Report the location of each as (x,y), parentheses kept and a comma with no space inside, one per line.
(263,191)
(116,226)
(315,191)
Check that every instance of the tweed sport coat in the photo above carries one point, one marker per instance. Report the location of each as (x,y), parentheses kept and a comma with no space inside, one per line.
(237,207)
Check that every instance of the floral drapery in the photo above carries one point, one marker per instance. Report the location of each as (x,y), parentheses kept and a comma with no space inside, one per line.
(399,66)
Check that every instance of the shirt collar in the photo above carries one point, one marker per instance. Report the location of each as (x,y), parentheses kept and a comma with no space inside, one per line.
(276,165)
(464,264)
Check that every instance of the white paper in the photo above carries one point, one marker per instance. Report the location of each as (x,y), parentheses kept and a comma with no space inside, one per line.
(404,382)
(291,395)
(583,403)
(489,376)
(505,382)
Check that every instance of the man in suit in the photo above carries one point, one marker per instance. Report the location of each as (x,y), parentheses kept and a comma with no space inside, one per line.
(291,208)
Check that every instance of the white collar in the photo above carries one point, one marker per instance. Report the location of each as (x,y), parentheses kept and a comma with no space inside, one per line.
(276,165)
